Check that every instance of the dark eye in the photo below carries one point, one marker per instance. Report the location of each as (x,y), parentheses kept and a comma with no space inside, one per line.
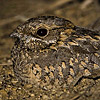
(42,32)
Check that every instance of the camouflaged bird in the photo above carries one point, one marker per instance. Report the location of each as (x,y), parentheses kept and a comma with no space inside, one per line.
(52,51)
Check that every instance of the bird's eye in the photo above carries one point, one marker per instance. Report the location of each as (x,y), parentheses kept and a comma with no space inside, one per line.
(42,32)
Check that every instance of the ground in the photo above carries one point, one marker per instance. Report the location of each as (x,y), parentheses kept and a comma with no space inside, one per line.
(83,13)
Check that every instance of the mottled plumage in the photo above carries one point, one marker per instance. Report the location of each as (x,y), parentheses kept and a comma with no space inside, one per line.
(52,51)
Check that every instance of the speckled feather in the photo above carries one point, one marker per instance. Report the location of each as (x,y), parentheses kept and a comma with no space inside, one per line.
(63,56)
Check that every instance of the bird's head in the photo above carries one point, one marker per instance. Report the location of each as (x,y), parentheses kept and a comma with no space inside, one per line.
(42,32)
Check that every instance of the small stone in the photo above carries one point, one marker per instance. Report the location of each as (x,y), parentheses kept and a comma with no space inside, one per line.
(45,97)
(32,95)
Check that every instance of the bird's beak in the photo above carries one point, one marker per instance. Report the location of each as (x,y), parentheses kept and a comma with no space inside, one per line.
(15,35)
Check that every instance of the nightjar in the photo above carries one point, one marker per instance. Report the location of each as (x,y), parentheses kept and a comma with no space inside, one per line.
(49,50)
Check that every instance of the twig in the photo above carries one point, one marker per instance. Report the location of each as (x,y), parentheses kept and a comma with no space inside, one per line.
(6,64)
(86,3)
(54,6)
(15,18)
(58,3)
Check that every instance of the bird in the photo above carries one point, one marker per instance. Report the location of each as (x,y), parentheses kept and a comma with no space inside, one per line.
(52,51)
